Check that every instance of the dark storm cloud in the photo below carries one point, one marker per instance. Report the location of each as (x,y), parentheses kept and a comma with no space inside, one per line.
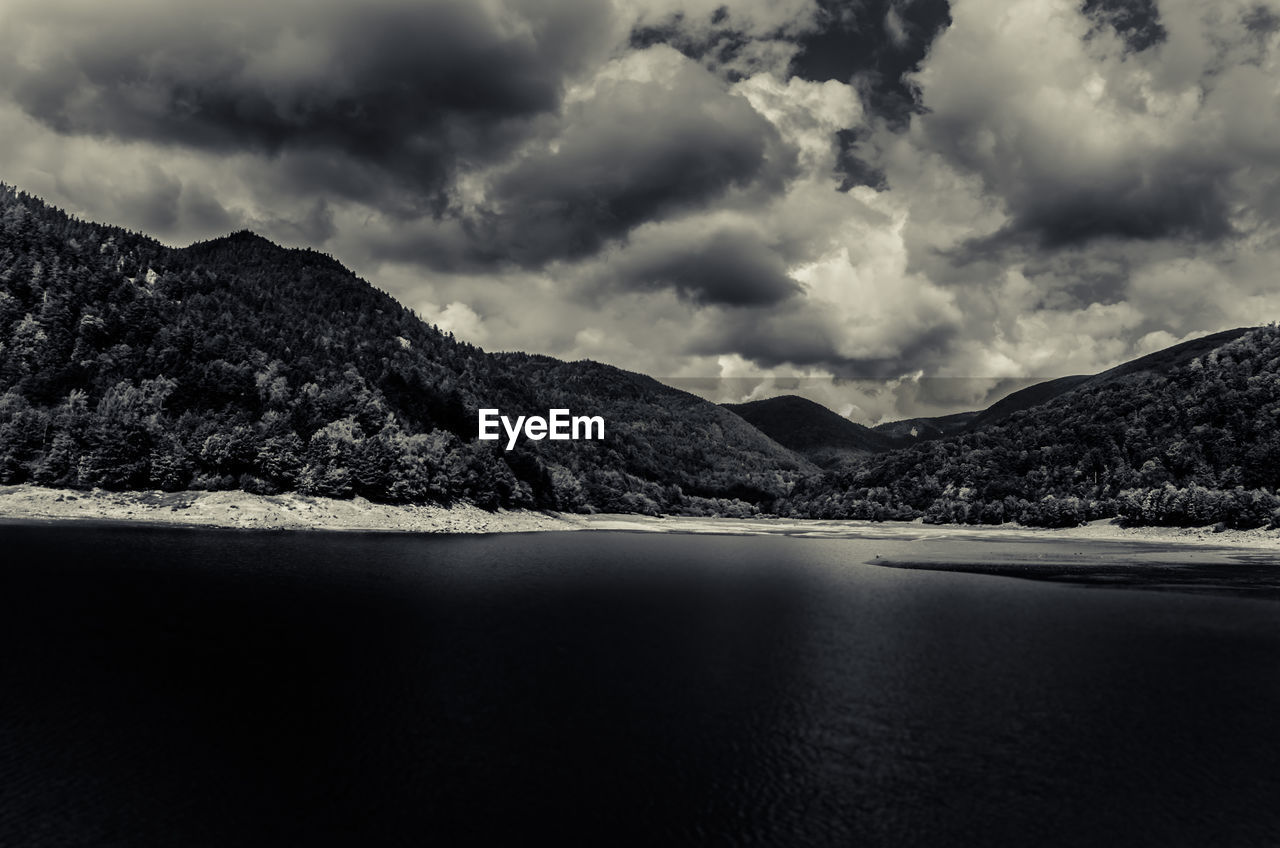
(871,44)
(719,42)
(731,267)
(157,202)
(1259,24)
(408,89)
(203,212)
(919,348)
(1261,21)
(1109,163)
(1074,279)
(154,201)
(1137,22)
(1175,205)
(874,44)
(633,153)
(389,104)
(853,169)
(799,333)
(770,338)
(1144,204)
(314,227)
(1166,204)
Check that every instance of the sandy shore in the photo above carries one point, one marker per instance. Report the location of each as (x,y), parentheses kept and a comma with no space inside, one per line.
(1103,530)
(267,512)
(299,512)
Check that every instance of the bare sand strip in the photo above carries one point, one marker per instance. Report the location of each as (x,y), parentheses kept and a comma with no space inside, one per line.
(242,510)
(299,512)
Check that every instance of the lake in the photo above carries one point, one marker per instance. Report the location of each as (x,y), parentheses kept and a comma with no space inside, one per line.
(167,686)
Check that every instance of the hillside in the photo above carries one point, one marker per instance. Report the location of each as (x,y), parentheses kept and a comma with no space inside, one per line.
(236,363)
(1160,362)
(1189,436)
(831,441)
(811,430)
(1023,399)
(911,430)
(901,432)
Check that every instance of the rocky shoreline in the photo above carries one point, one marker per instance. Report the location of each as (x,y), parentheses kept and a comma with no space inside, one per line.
(242,510)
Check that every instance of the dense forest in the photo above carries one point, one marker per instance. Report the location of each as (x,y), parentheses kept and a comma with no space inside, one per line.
(914,430)
(235,363)
(1193,443)
(810,429)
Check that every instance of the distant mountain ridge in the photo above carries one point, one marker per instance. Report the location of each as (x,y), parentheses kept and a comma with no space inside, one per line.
(830,440)
(811,430)
(1186,436)
(911,430)
(1040,393)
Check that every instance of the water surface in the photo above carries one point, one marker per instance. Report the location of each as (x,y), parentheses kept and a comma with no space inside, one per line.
(196,687)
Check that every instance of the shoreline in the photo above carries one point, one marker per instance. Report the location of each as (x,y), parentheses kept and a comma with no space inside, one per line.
(245,511)
(239,510)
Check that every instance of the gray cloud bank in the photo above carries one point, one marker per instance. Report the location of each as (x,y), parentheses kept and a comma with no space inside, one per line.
(744,196)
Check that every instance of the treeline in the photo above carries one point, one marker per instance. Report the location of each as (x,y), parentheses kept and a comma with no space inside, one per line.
(238,364)
(1197,444)
(1167,505)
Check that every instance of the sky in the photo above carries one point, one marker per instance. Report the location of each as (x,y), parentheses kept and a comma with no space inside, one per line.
(896,208)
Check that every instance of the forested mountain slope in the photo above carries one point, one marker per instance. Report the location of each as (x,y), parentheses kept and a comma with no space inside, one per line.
(1192,441)
(909,431)
(1160,362)
(812,430)
(905,433)
(237,363)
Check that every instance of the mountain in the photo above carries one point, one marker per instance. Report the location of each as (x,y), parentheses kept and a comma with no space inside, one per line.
(1189,435)
(901,432)
(1033,395)
(811,430)
(236,363)
(1160,362)
(831,441)
(911,430)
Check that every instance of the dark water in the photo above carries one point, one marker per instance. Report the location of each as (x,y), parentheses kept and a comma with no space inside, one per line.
(193,688)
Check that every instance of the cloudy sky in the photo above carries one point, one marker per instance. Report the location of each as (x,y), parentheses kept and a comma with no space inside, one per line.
(894,207)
